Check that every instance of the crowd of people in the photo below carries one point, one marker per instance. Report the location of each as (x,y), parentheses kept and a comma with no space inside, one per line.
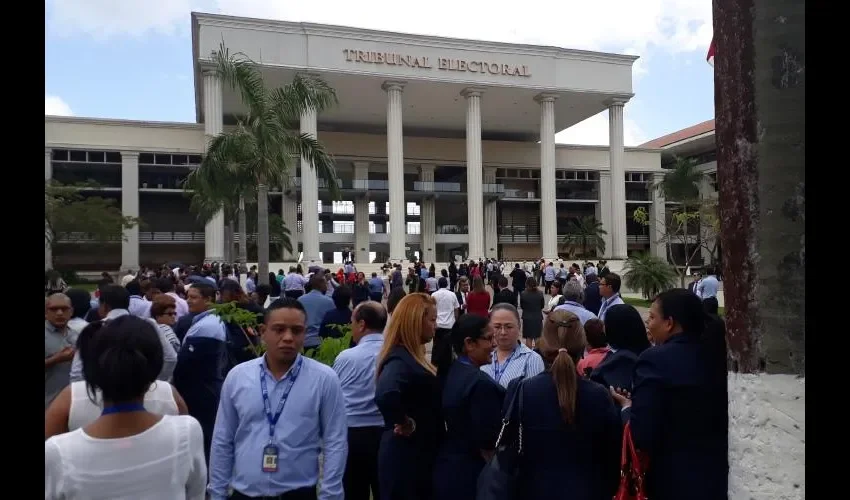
(151,392)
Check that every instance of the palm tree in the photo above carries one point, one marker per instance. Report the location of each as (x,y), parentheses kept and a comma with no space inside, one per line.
(648,274)
(263,146)
(681,184)
(586,235)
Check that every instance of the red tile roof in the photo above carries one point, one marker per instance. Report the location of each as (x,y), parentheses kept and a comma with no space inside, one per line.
(681,135)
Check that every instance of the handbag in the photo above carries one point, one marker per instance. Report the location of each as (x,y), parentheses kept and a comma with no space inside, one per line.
(633,465)
(498,479)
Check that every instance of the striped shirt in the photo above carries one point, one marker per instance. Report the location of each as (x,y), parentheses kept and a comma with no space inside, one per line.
(523,363)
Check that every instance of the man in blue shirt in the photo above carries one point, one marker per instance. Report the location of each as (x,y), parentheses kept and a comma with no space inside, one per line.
(316,304)
(276,414)
(356,369)
(708,286)
(377,288)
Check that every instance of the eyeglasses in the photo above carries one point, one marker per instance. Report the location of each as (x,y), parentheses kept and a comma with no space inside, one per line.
(506,327)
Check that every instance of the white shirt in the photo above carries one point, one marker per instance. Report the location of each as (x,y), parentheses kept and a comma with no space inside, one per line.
(446,305)
(165,461)
(159,399)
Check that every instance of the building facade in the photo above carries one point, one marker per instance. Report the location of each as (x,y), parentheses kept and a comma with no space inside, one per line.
(453,140)
(696,144)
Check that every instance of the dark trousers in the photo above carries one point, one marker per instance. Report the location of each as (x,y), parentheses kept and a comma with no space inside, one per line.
(361,467)
(293,294)
(308,493)
(441,351)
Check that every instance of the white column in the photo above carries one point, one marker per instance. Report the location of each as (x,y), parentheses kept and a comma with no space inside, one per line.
(548,216)
(289,214)
(130,208)
(395,169)
(618,179)
(603,209)
(361,216)
(429,219)
(213,126)
(491,231)
(309,197)
(474,179)
(657,219)
(48,174)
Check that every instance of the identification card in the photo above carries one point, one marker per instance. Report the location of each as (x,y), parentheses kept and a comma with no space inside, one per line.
(270,454)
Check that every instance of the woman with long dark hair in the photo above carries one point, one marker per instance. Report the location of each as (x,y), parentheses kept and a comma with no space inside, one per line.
(626,334)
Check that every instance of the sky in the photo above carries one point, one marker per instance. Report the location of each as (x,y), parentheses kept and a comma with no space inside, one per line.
(132,59)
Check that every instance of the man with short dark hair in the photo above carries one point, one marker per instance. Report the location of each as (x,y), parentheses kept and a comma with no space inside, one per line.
(609,289)
(277,413)
(356,369)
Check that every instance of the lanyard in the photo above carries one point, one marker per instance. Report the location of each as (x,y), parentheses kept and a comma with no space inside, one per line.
(497,373)
(123,408)
(267,405)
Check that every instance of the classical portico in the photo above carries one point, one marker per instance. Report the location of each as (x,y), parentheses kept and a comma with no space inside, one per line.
(405,86)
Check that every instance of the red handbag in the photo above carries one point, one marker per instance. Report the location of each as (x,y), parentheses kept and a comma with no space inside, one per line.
(633,465)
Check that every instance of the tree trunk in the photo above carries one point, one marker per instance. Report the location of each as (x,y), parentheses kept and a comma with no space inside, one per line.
(759,83)
(263,233)
(228,241)
(243,237)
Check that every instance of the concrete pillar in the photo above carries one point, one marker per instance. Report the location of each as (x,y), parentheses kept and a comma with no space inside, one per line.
(491,231)
(657,219)
(130,208)
(48,175)
(213,126)
(428,216)
(395,169)
(289,214)
(548,216)
(474,178)
(309,197)
(603,209)
(619,244)
(361,216)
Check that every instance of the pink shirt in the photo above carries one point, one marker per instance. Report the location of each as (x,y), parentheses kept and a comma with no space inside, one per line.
(592,359)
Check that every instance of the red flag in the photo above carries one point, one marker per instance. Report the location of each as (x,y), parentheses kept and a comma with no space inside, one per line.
(710,56)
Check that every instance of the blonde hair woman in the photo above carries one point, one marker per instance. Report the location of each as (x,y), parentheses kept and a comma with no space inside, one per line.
(408,396)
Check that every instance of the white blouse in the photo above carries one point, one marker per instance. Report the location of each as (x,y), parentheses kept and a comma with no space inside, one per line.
(165,461)
(159,399)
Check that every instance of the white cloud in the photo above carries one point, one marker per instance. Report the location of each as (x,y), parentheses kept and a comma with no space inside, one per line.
(614,25)
(54,105)
(594,132)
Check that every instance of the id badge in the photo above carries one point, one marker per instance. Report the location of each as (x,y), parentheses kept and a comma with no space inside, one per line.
(270,454)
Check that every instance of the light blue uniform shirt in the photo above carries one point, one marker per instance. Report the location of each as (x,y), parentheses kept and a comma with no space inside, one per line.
(574,307)
(523,363)
(356,368)
(707,287)
(316,304)
(313,420)
(608,303)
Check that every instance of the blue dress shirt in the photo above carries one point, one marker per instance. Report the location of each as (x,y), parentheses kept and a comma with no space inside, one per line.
(317,305)
(357,369)
(313,419)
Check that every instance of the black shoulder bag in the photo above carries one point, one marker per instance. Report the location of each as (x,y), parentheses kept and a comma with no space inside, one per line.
(499,478)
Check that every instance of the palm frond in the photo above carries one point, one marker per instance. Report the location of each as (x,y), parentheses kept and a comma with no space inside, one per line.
(307,147)
(303,93)
(240,73)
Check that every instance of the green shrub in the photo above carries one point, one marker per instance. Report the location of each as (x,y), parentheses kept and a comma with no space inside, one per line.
(648,274)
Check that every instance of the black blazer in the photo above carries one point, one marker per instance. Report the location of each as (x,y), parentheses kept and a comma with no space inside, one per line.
(505,295)
(579,463)
(405,464)
(616,370)
(592,299)
(472,404)
(679,417)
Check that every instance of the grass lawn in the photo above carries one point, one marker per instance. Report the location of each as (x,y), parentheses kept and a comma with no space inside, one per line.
(645,303)
(89,287)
